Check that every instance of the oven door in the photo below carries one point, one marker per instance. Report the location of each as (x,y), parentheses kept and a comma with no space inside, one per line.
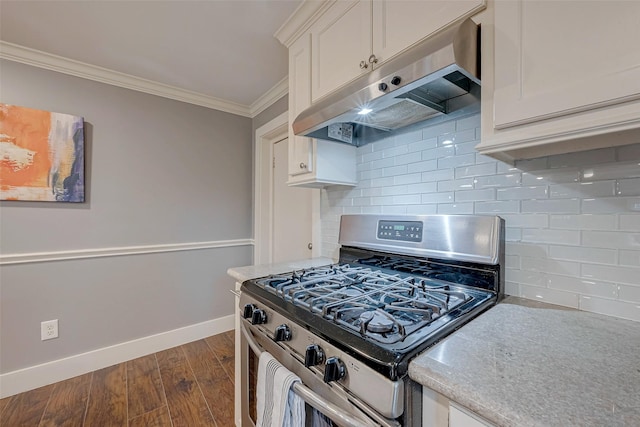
(343,409)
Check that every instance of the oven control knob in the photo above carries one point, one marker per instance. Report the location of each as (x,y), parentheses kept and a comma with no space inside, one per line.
(247,311)
(282,333)
(334,369)
(313,356)
(396,80)
(258,317)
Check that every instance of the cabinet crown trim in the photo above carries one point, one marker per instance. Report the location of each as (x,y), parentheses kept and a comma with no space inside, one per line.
(300,20)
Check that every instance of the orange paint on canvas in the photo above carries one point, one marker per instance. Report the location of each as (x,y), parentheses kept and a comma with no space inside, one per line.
(28,129)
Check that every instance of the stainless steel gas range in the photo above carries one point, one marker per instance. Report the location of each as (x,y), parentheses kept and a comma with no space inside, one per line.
(350,329)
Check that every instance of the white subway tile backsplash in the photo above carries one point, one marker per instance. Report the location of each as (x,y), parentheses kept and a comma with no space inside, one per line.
(584,254)
(394,190)
(611,171)
(550,266)
(439,175)
(624,310)
(456,161)
(422,166)
(411,178)
(551,206)
(405,159)
(551,176)
(408,199)
(628,275)
(611,239)
(455,208)
(368,157)
(382,182)
(611,205)
(438,130)
(496,208)
(591,157)
(395,170)
(475,195)
(497,181)
(422,187)
(523,193)
(438,198)
(630,222)
(471,122)
(584,222)
(628,187)
(466,147)
(511,288)
(583,190)
(527,249)
(531,278)
(525,220)
(421,145)
(562,237)
(572,221)
(395,151)
(456,184)
(512,234)
(511,261)
(439,152)
(582,286)
(382,163)
(630,258)
(551,296)
(422,209)
(408,137)
(476,170)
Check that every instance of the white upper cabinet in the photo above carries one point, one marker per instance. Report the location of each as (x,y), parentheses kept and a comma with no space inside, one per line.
(400,24)
(341,46)
(564,73)
(300,148)
(313,163)
(353,37)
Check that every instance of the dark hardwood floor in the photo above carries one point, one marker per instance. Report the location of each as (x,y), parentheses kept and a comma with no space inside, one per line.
(190,385)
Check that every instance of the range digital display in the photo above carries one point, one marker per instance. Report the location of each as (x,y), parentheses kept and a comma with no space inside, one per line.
(408,231)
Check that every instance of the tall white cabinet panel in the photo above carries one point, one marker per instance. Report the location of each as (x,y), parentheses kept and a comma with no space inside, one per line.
(565,76)
(341,39)
(555,58)
(300,148)
(398,24)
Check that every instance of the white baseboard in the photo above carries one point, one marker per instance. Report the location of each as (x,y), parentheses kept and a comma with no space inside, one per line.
(58,370)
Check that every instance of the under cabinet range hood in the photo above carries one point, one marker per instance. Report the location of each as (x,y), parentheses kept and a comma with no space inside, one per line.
(436,80)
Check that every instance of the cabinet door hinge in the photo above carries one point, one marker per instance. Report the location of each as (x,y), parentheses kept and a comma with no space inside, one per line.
(274,162)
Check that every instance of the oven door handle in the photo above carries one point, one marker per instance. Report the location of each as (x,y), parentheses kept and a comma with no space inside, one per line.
(314,400)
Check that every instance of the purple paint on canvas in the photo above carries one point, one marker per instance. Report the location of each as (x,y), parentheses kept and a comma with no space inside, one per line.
(74,183)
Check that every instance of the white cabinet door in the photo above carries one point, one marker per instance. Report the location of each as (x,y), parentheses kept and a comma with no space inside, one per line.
(300,148)
(557,58)
(399,24)
(566,77)
(340,40)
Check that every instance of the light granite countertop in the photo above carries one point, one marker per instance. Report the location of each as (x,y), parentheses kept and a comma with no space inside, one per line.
(523,363)
(253,271)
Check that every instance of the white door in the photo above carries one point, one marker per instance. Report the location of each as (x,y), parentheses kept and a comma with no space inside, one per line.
(291,211)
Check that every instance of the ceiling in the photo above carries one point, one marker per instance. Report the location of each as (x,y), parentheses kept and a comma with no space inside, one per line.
(223,49)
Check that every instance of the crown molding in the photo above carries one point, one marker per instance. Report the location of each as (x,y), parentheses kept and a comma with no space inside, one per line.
(301,19)
(270,97)
(48,61)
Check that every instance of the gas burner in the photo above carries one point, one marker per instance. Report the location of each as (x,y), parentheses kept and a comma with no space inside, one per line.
(377,322)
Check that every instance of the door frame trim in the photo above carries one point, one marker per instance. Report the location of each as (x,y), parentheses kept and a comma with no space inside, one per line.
(266,135)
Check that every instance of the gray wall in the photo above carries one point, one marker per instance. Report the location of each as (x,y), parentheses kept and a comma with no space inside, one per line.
(158,172)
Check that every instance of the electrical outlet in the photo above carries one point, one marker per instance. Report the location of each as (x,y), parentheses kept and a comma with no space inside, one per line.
(49,329)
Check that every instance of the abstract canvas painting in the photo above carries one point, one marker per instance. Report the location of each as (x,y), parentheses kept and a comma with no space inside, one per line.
(41,155)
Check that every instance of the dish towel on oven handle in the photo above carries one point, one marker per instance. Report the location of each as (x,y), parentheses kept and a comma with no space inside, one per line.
(277,404)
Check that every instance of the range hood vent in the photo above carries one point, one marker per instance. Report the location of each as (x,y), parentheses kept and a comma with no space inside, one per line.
(436,80)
